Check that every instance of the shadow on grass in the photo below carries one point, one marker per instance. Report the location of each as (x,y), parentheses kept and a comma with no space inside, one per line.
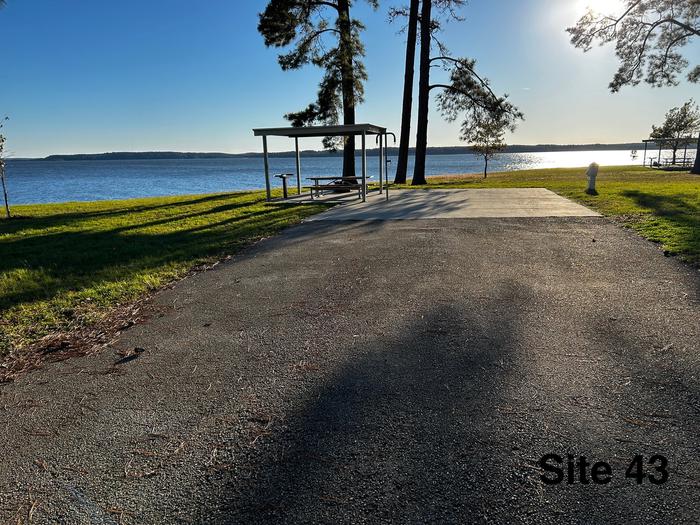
(116,245)
(681,213)
(67,219)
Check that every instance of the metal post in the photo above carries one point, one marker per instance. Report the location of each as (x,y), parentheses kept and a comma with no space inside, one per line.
(284,187)
(386,163)
(364,166)
(644,163)
(267,170)
(381,163)
(296,144)
(659,160)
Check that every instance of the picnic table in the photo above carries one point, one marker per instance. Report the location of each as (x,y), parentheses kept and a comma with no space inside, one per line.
(335,183)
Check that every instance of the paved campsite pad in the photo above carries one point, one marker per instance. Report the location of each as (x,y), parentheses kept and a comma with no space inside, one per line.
(458,204)
(365,372)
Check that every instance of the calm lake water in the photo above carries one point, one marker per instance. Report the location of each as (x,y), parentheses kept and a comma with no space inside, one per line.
(60,181)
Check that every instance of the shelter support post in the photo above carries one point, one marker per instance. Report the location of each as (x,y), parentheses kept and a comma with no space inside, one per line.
(267,170)
(659,159)
(386,163)
(296,145)
(381,164)
(644,162)
(364,166)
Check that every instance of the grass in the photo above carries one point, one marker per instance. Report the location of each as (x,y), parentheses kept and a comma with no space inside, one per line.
(66,266)
(661,206)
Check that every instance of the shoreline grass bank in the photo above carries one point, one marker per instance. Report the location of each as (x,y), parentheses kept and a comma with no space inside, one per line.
(67,266)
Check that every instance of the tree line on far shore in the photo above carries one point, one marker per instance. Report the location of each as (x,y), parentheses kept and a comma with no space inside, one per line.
(649,36)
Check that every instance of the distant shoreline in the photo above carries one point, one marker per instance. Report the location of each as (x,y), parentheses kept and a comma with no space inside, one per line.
(447,150)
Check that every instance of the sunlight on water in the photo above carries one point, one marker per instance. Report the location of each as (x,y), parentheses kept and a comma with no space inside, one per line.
(572,159)
(56,181)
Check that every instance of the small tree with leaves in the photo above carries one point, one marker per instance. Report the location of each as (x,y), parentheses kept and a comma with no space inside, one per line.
(324,34)
(650,38)
(2,156)
(2,169)
(678,126)
(486,135)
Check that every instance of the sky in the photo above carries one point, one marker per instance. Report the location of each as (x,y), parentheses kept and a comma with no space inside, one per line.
(86,76)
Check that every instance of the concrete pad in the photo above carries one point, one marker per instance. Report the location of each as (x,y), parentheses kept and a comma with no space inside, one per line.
(458,204)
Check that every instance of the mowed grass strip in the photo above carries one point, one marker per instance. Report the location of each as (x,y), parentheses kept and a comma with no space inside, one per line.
(64,266)
(661,206)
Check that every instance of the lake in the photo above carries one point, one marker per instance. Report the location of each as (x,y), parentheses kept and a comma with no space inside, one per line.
(32,182)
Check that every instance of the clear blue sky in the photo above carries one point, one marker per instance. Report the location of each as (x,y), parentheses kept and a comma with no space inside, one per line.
(136,75)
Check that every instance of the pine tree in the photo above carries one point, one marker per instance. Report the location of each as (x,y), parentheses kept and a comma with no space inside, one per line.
(466,93)
(325,35)
(423,94)
(407,104)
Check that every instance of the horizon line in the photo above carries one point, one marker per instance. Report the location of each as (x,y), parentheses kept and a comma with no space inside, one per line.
(329,152)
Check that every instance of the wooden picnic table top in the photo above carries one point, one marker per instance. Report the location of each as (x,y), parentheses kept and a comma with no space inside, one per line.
(334,178)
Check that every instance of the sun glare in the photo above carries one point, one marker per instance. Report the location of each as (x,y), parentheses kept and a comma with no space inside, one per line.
(605,7)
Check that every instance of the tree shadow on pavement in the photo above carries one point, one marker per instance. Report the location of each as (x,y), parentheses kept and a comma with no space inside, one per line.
(404,431)
(443,421)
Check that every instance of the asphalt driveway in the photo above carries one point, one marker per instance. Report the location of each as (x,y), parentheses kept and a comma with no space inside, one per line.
(366,372)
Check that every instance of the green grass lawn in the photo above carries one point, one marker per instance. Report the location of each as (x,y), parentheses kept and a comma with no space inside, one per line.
(65,266)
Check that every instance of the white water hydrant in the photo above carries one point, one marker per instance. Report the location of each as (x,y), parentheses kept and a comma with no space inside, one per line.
(592,173)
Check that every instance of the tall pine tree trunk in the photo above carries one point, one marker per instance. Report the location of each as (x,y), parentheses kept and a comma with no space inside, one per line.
(348,83)
(402,162)
(423,94)
(696,167)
